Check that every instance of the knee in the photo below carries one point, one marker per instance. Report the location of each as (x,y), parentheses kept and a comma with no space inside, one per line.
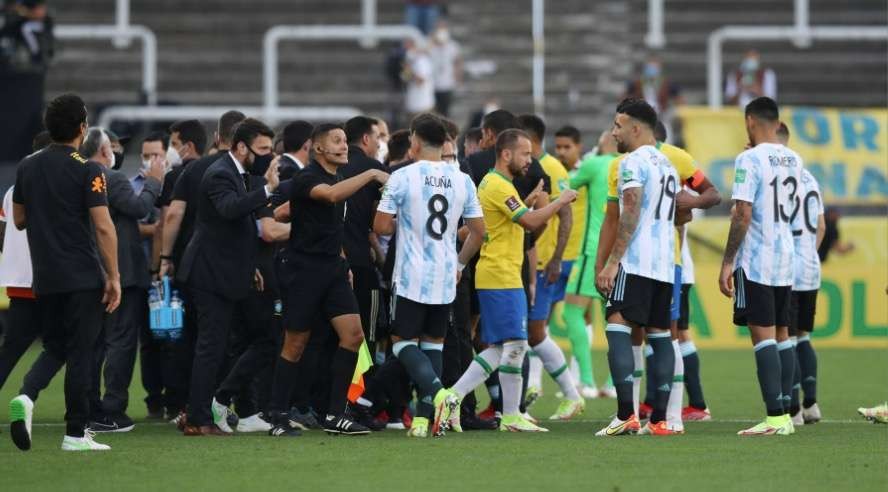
(513,353)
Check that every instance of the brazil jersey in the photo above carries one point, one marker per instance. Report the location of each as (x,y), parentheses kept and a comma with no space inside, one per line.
(591,178)
(503,250)
(558,178)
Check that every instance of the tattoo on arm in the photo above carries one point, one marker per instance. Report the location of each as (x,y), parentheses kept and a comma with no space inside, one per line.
(628,223)
(565,222)
(739,225)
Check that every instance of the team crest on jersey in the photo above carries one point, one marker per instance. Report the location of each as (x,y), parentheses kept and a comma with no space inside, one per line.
(98,184)
(740,176)
(513,203)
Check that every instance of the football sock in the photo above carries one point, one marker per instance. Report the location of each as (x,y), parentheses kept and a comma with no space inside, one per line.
(535,375)
(421,372)
(282,382)
(786,351)
(692,374)
(650,388)
(341,372)
(525,371)
(661,371)
(435,353)
(676,395)
(580,343)
(556,365)
(637,374)
(808,365)
(767,363)
(794,405)
(479,370)
(510,374)
(619,358)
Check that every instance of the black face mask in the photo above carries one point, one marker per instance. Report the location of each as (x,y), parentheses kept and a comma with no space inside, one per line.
(118,159)
(260,163)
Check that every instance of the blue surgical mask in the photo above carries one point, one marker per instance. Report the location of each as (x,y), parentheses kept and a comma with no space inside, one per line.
(750,64)
(651,71)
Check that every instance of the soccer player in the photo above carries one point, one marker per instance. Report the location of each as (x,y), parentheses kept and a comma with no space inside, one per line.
(498,277)
(696,409)
(551,275)
(428,198)
(590,181)
(639,272)
(757,269)
(808,229)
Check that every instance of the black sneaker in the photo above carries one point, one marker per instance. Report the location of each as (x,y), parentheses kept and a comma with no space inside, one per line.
(470,421)
(363,415)
(343,426)
(155,413)
(281,426)
(303,420)
(112,423)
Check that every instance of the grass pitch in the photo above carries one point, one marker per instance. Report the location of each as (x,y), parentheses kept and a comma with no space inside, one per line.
(841,453)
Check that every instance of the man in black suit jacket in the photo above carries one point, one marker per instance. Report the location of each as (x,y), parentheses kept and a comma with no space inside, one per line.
(218,265)
(117,348)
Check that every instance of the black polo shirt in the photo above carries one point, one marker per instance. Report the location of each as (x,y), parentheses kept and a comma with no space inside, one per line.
(360,208)
(316,227)
(187,189)
(58,187)
(169,184)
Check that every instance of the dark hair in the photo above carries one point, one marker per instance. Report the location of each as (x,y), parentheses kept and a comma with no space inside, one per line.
(323,129)
(295,135)
(508,139)
(638,109)
(431,131)
(763,108)
(248,130)
(161,137)
(451,127)
(63,117)
(191,131)
(357,127)
(533,125)
(570,132)
(227,122)
(498,121)
(783,131)
(399,144)
(474,134)
(660,131)
(92,143)
(41,140)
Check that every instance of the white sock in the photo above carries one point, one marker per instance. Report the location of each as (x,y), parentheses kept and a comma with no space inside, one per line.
(676,394)
(638,357)
(556,365)
(510,375)
(576,374)
(574,368)
(485,363)
(535,377)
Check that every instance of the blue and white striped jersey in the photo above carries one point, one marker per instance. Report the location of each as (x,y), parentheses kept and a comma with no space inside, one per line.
(769,177)
(804,232)
(428,199)
(651,250)
(687,261)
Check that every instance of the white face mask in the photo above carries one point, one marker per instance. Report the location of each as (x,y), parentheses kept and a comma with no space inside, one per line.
(113,161)
(383,151)
(173,157)
(146,164)
(442,36)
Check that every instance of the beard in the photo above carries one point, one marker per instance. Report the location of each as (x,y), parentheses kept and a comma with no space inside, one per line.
(622,147)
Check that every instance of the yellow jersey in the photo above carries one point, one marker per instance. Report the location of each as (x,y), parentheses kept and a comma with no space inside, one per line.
(578,230)
(502,252)
(684,164)
(559,181)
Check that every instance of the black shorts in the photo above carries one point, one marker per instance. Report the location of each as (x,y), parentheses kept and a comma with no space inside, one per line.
(758,304)
(684,308)
(641,300)
(317,291)
(411,319)
(803,306)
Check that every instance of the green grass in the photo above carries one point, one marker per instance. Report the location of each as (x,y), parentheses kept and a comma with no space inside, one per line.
(842,453)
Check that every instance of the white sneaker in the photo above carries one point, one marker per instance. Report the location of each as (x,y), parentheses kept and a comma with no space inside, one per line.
(398,425)
(797,419)
(21,409)
(588,392)
(811,415)
(85,443)
(220,416)
(253,423)
(607,392)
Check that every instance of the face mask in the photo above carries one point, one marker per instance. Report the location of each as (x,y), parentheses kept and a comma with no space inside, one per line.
(749,65)
(260,163)
(118,160)
(173,157)
(442,36)
(382,152)
(146,164)
(113,160)
(651,71)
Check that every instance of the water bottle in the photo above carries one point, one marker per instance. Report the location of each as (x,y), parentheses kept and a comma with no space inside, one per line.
(175,300)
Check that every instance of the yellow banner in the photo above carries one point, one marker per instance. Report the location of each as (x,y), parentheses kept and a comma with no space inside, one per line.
(845,149)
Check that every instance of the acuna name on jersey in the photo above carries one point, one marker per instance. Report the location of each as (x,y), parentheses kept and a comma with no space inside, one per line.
(438,181)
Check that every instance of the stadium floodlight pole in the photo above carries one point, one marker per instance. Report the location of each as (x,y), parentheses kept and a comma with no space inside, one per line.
(802,24)
(539,57)
(368,20)
(655,37)
(122,21)
(112,32)
(212,113)
(774,33)
(276,34)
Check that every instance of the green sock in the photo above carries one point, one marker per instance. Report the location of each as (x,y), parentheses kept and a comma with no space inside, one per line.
(579,341)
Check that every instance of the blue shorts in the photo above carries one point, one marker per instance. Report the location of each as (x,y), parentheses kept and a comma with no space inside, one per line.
(548,294)
(675,313)
(503,315)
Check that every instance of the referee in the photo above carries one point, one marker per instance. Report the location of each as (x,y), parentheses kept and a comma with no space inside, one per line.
(61,197)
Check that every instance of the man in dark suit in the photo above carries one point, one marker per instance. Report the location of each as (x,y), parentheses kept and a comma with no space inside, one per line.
(117,348)
(218,264)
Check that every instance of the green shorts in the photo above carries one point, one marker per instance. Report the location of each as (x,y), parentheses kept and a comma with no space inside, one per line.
(582,278)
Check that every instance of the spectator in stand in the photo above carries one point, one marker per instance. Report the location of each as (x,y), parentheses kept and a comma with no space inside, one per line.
(447,63)
(750,80)
(422,14)
(652,86)
(418,74)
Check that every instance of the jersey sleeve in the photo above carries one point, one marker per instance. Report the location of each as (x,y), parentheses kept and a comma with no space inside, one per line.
(303,183)
(613,171)
(17,195)
(687,169)
(180,189)
(505,198)
(583,175)
(631,174)
(472,209)
(393,194)
(96,186)
(745,179)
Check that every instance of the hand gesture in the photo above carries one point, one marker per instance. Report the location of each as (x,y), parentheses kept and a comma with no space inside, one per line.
(568,195)
(272,179)
(531,198)
(157,168)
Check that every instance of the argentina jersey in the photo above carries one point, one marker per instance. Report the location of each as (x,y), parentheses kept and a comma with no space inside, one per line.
(768,176)
(428,199)
(806,274)
(651,250)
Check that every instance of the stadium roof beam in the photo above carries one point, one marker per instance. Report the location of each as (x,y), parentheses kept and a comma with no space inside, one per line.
(167,113)
(775,33)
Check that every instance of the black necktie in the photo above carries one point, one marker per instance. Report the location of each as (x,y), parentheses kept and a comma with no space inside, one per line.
(246,178)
